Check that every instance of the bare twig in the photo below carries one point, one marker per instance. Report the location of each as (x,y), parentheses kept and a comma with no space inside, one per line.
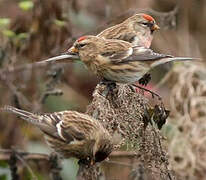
(55,167)
(118,163)
(6,153)
(27,166)
(19,68)
(16,93)
(55,92)
(13,165)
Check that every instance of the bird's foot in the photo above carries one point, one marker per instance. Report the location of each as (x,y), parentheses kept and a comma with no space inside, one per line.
(110,85)
(145,79)
(151,92)
(85,162)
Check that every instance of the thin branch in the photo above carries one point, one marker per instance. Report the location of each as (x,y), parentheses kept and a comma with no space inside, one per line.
(55,167)
(40,64)
(54,92)
(13,165)
(118,163)
(27,166)
(6,153)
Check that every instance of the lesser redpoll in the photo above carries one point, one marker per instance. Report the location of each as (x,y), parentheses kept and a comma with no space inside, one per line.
(116,60)
(71,134)
(137,29)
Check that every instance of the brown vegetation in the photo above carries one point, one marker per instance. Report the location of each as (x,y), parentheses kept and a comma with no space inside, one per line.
(48,28)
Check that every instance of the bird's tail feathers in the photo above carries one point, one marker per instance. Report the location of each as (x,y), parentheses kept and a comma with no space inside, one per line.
(28,116)
(163,61)
(60,58)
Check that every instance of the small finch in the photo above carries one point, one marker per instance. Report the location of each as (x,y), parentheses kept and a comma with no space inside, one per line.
(71,134)
(116,60)
(137,29)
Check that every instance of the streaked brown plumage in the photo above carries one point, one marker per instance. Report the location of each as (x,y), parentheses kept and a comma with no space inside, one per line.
(117,60)
(71,134)
(137,29)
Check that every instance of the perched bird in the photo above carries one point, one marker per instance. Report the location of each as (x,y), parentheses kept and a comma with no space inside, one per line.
(116,60)
(71,134)
(137,29)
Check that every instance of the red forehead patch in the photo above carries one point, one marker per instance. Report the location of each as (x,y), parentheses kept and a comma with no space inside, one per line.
(81,38)
(148,17)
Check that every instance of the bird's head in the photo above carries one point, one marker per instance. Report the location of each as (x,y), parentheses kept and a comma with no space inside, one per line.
(85,44)
(105,148)
(90,47)
(144,21)
(97,151)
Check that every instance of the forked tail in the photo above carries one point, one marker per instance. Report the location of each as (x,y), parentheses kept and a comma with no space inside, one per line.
(60,58)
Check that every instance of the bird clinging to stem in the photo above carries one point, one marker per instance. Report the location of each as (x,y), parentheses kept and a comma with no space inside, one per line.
(71,134)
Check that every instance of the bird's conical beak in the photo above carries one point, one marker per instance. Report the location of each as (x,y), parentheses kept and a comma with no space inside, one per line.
(155,27)
(73,50)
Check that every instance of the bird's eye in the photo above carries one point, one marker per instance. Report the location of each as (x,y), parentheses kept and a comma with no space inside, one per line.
(145,24)
(148,24)
(81,45)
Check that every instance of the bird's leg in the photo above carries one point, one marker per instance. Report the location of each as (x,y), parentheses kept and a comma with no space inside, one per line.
(151,92)
(146,117)
(145,79)
(111,85)
(84,162)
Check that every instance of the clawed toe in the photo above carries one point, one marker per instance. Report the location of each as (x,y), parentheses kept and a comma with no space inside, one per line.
(145,79)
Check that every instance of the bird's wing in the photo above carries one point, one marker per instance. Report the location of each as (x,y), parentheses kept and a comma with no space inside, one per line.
(117,56)
(136,53)
(129,37)
(71,133)
(141,53)
(154,59)
(75,126)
